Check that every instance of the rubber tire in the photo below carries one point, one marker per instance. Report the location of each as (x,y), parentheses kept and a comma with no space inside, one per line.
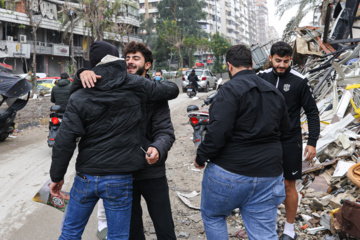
(184,90)
(3,136)
(207,87)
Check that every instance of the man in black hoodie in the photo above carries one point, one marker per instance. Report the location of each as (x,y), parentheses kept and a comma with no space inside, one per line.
(60,92)
(151,182)
(298,94)
(110,119)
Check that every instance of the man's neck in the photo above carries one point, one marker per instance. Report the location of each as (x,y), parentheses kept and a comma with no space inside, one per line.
(239,69)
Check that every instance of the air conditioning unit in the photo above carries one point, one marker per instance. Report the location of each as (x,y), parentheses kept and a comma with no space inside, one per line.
(22,38)
(10,38)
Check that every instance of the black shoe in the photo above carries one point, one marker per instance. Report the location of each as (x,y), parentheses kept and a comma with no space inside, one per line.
(287,237)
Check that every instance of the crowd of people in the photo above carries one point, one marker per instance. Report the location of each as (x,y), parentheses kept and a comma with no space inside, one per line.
(252,151)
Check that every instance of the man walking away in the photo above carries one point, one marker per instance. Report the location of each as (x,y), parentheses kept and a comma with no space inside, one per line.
(60,92)
(298,94)
(243,150)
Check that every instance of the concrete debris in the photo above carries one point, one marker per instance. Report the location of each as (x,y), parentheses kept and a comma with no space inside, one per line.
(328,56)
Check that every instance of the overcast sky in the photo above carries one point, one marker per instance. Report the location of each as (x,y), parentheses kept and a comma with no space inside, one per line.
(280,24)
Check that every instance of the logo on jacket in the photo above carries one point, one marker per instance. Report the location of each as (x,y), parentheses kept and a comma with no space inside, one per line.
(286,87)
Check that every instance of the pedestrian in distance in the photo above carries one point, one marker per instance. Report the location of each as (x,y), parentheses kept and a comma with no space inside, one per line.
(109,118)
(243,152)
(150,182)
(159,76)
(193,79)
(298,94)
(60,92)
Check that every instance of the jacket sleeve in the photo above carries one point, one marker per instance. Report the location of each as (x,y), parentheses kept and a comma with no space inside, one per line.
(309,105)
(76,85)
(223,113)
(52,96)
(162,131)
(160,91)
(63,149)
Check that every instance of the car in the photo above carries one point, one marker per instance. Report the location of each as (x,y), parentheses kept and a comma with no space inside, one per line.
(38,75)
(48,82)
(207,79)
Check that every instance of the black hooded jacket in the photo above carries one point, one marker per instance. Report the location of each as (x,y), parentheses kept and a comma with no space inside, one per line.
(60,93)
(298,94)
(111,121)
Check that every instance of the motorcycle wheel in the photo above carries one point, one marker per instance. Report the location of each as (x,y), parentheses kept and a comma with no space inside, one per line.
(3,136)
(197,144)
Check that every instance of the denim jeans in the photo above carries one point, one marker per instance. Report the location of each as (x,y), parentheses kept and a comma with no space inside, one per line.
(257,198)
(116,192)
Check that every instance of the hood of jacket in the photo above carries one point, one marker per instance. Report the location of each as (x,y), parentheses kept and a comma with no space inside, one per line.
(113,74)
(63,82)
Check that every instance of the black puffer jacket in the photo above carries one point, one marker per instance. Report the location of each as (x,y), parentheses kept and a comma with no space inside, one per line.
(60,93)
(111,121)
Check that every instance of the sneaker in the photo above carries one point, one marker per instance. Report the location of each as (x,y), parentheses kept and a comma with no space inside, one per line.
(287,237)
(102,235)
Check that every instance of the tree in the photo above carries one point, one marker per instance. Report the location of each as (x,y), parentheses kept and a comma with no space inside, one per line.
(219,46)
(70,17)
(185,12)
(169,32)
(304,6)
(32,12)
(146,29)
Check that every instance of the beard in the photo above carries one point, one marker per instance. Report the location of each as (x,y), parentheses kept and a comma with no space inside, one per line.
(280,74)
(230,76)
(140,71)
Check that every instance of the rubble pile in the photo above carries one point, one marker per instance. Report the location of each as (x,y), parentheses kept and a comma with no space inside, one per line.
(329,194)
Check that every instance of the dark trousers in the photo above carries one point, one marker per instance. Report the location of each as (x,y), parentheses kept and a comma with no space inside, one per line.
(156,194)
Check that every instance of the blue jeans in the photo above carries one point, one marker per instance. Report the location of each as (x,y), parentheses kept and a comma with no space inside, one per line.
(257,198)
(116,192)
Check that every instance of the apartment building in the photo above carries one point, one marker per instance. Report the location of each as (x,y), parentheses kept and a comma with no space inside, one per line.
(262,21)
(234,19)
(52,53)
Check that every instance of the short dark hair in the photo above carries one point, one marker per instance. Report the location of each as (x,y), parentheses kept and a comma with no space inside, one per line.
(239,56)
(64,75)
(134,47)
(159,71)
(281,49)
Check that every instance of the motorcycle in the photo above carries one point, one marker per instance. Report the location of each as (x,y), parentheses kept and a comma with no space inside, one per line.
(54,124)
(190,90)
(13,92)
(200,119)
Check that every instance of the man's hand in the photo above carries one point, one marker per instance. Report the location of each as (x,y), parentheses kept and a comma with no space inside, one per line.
(55,188)
(310,152)
(197,165)
(154,155)
(88,78)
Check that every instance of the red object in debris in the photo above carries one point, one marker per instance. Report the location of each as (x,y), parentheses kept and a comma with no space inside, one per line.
(305,226)
(6,66)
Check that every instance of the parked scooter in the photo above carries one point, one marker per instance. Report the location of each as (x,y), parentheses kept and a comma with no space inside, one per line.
(11,90)
(200,119)
(54,124)
(190,90)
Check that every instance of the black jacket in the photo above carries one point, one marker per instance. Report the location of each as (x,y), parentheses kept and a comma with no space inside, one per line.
(247,117)
(193,78)
(60,93)
(298,94)
(111,121)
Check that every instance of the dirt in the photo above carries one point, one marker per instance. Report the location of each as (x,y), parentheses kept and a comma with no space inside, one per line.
(24,167)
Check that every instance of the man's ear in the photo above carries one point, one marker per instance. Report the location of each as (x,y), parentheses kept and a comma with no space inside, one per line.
(147,65)
(270,58)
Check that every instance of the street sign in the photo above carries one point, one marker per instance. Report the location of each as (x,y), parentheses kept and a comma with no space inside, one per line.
(209,59)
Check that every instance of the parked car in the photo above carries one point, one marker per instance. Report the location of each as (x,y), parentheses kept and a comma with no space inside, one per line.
(48,82)
(38,75)
(207,79)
